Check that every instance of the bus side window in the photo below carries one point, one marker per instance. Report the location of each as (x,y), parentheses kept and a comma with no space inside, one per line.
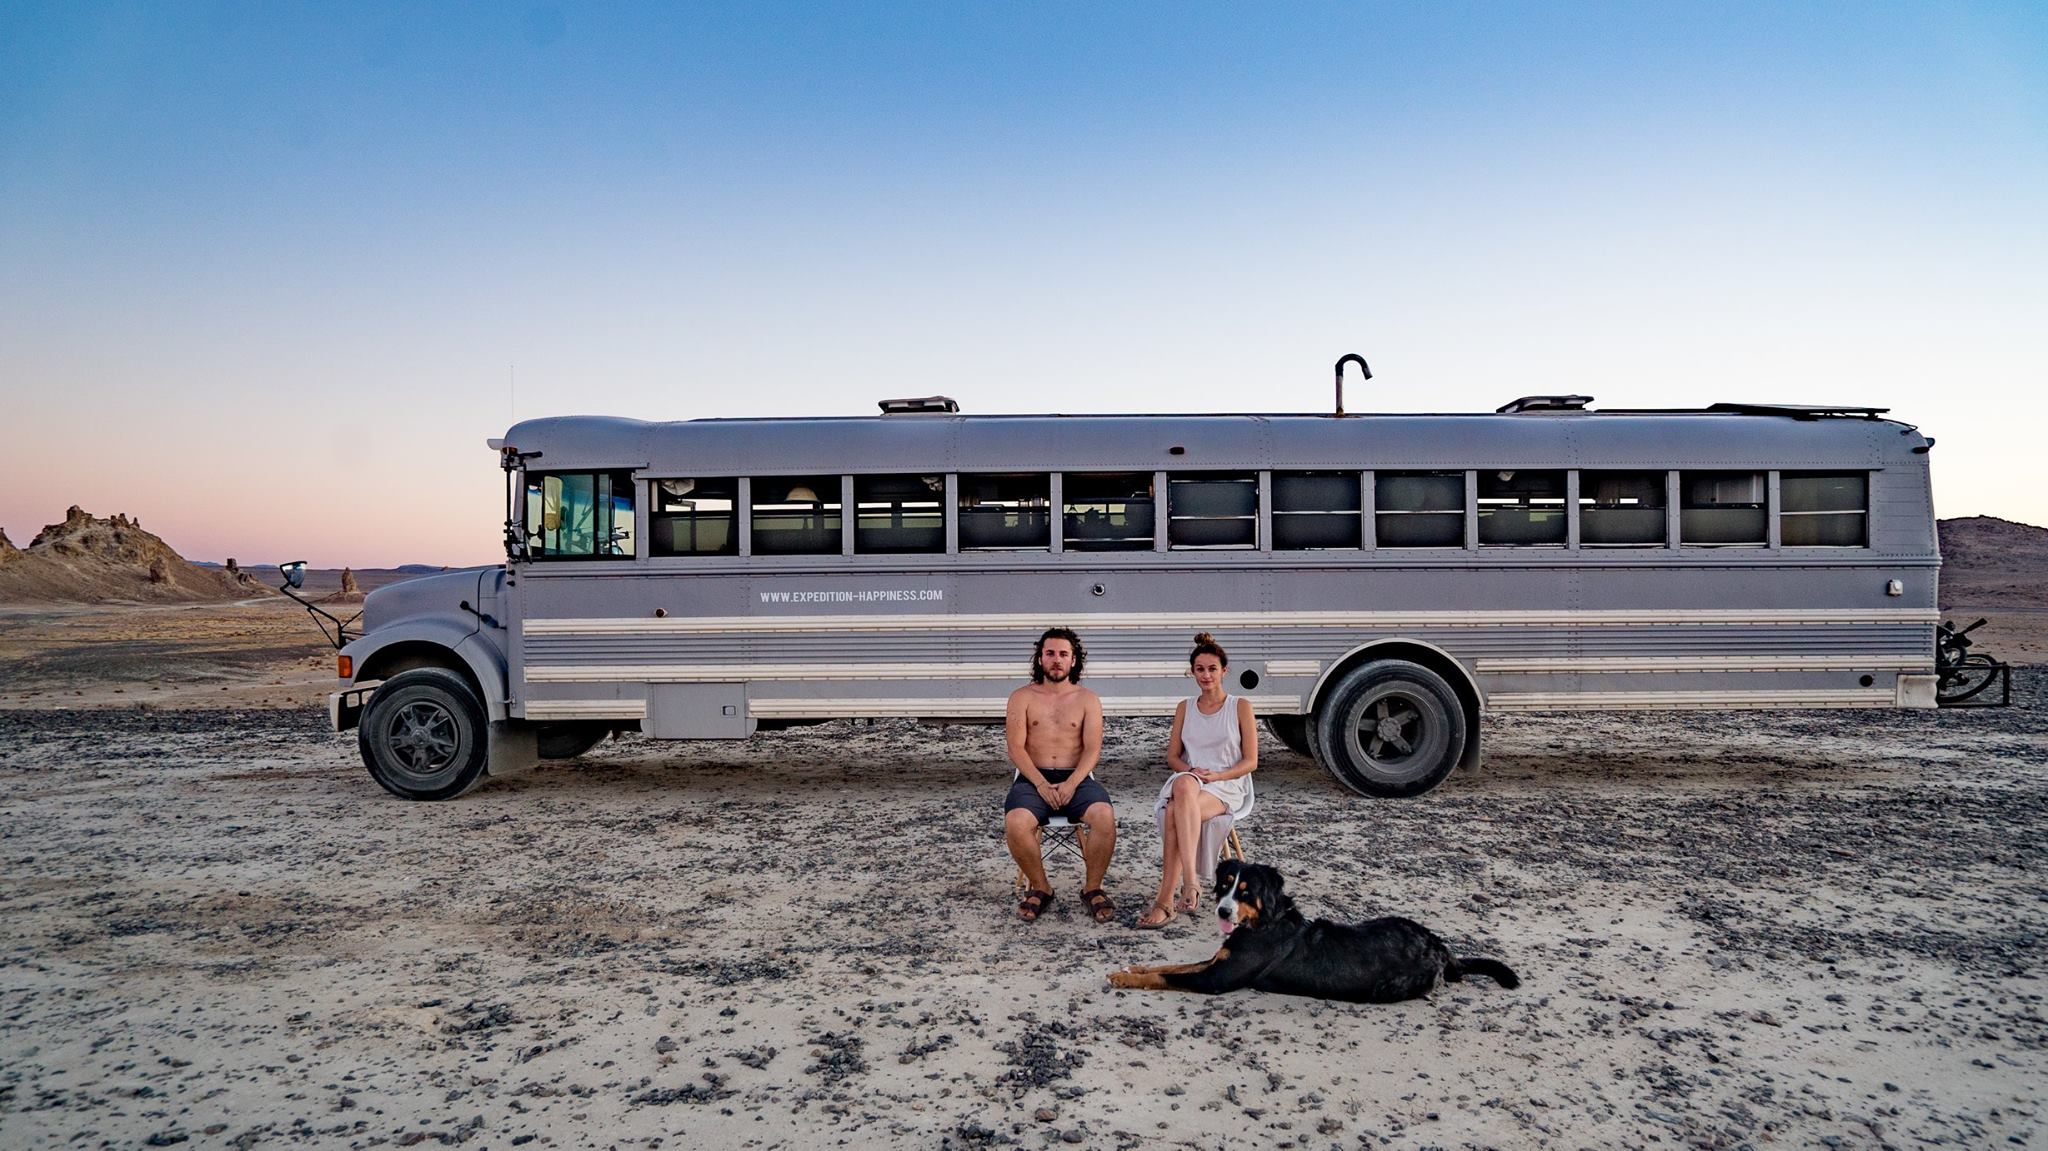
(1419,509)
(1721,509)
(1108,511)
(1011,512)
(694,517)
(796,515)
(899,515)
(1219,510)
(1621,509)
(1315,510)
(1824,510)
(579,515)
(1521,509)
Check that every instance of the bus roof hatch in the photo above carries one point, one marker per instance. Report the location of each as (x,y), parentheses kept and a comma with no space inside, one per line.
(1545,404)
(920,406)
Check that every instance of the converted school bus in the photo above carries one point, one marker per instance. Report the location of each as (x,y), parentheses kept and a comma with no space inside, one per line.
(1381,580)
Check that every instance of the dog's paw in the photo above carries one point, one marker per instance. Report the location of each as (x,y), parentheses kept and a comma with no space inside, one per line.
(1125,979)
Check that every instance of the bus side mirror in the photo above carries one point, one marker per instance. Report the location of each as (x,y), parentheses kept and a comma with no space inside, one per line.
(294,572)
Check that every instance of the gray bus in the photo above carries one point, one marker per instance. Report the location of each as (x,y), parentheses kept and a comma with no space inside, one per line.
(1381,580)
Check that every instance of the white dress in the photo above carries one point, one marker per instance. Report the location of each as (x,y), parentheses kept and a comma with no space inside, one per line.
(1212,743)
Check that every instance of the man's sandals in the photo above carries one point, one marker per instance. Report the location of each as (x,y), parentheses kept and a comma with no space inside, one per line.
(1033,905)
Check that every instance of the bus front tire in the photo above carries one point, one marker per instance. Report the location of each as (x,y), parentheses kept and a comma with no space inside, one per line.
(1390,729)
(568,740)
(1292,732)
(423,735)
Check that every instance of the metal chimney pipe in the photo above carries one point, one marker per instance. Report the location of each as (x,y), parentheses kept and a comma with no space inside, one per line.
(1364,373)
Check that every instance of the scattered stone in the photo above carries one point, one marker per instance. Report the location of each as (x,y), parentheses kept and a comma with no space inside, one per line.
(837,1056)
(711,1090)
(1036,1059)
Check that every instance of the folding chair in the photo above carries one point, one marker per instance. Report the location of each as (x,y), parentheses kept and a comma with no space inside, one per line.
(1220,840)
(1059,834)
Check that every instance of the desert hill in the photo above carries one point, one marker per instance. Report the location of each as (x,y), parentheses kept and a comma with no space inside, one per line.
(1988,562)
(87,559)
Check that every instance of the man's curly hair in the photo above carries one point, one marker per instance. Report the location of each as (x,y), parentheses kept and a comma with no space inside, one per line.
(1038,651)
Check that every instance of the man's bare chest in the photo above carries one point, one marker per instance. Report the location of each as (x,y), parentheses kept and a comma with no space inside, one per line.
(1058,719)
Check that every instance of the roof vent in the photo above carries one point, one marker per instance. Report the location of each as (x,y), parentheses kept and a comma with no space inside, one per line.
(1546,404)
(1802,411)
(920,406)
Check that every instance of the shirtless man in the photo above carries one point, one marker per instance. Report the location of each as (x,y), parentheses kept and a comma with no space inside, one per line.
(1055,733)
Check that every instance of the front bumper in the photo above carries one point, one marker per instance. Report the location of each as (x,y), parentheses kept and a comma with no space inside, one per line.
(345,708)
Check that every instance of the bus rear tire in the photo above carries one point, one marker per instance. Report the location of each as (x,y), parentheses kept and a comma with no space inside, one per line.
(1390,729)
(423,735)
(568,740)
(1292,732)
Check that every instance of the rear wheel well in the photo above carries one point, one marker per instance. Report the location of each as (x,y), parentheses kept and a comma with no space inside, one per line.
(1429,656)
(399,657)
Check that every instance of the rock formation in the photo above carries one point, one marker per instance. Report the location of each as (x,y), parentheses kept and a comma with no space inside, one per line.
(8,552)
(86,559)
(351,591)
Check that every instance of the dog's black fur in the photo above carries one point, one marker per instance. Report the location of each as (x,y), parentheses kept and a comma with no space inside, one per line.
(1271,947)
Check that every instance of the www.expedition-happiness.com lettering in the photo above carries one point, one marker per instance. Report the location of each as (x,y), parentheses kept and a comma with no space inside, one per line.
(871,595)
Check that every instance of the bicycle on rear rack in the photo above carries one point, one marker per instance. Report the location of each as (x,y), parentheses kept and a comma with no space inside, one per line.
(1961,675)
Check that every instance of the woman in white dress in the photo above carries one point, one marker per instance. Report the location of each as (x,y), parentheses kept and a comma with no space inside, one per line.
(1212,752)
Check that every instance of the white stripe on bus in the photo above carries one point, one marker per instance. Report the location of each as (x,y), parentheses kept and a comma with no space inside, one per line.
(1217,621)
(985,708)
(1886,696)
(1886,661)
(1277,669)
(991,708)
(988,707)
(822,672)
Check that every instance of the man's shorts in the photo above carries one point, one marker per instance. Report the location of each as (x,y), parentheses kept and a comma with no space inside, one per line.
(1023,795)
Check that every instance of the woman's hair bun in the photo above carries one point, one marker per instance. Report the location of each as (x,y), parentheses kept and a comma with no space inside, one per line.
(1204,637)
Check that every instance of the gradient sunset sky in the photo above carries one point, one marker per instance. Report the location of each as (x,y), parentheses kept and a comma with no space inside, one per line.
(269,271)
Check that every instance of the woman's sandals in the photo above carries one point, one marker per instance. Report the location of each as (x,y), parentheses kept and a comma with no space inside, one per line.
(1098,904)
(1145,922)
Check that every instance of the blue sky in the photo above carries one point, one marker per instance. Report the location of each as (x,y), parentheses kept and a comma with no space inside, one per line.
(314,246)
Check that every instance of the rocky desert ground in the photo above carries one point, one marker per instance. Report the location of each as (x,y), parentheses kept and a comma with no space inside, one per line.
(1764,930)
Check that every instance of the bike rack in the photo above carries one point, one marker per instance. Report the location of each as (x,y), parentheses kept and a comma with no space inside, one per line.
(1964,678)
(2001,675)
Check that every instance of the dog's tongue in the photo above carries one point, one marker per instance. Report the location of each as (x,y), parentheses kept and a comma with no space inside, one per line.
(1226,925)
